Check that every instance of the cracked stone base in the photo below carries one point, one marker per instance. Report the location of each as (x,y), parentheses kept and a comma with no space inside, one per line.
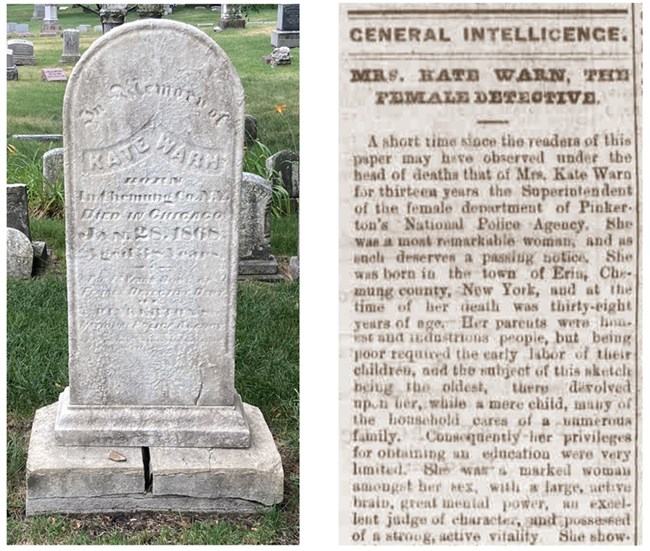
(82,479)
(172,426)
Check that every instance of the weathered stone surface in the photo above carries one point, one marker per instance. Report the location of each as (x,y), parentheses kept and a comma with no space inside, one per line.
(112,16)
(294,267)
(254,475)
(131,503)
(255,217)
(18,208)
(148,11)
(80,473)
(149,425)
(53,165)
(23,52)
(51,25)
(231,17)
(81,479)
(255,257)
(260,270)
(22,28)
(280,56)
(20,255)
(153,335)
(53,471)
(12,70)
(287,39)
(287,165)
(71,52)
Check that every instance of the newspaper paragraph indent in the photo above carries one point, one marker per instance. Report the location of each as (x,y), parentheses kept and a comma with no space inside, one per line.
(490,173)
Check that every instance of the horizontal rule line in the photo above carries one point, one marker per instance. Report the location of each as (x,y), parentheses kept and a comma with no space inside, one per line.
(365,13)
(493,122)
(454,57)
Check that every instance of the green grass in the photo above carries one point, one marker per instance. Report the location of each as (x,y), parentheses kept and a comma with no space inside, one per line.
(284,235)
(267,314)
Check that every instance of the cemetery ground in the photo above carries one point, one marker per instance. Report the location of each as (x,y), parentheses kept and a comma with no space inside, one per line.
(267,314)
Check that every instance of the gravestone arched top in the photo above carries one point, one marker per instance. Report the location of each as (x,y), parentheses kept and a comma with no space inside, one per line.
(153,62)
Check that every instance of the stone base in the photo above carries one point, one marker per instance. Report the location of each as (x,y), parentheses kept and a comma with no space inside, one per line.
(290,39)
(24,60)
(78,479)
(50,27)
(174,426)
(260,270)
(12,73)
(232,23)
(69,58)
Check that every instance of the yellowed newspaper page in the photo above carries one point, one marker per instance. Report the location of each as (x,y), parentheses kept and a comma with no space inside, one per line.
(490,212)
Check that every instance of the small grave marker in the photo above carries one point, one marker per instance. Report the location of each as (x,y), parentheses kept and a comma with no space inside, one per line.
(53,75)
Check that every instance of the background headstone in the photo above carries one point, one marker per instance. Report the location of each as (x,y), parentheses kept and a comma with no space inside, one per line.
(11,27)
(255,259)
(18,208)
(231,17)
(112,16)
(71,52)
(83,28)
(22,28)
(20,255)
(286,165)
(39,12)
(288,31)
(12,70)
(97,28)
(51,25)
(23,52)
(53,165)
(147,11)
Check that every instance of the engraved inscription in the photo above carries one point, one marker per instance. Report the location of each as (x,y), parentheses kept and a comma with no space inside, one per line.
(135,88)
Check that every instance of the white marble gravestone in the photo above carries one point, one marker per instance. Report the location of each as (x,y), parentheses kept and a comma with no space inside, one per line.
(70,46)
(153,164)
(50,25)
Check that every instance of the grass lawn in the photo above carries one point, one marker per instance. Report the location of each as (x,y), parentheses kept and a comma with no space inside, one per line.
(267,351)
